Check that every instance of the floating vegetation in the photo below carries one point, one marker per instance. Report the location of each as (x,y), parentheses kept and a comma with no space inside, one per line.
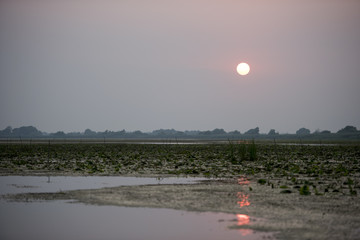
(326,169)
(304,190)
(262,181)
(286,191)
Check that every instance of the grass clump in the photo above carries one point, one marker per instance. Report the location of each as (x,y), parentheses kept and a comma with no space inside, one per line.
(286,191)
(304,190)
(242,151)
(248,151)
(252,151)
(231,155)
(262,181)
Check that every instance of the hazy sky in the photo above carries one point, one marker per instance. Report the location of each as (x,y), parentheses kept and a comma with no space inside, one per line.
(144,65)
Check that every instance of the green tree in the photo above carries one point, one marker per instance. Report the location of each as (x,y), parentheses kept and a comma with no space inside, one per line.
(253,131)
(272,132)
(303,131)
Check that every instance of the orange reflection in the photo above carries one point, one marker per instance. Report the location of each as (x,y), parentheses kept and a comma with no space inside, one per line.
(243,199)
(243,181)
(242,220)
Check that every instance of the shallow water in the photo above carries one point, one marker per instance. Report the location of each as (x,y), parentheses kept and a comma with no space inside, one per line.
(23,184)
(67,220)
(308,144)
(61,220)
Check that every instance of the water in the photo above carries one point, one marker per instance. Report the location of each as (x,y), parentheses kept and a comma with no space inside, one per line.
(68,220)
(309,144)
(23,184)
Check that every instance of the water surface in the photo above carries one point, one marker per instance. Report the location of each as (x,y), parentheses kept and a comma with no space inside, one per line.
(68,220)
(23,184)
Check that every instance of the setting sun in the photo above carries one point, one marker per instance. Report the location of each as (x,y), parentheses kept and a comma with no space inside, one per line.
(243,68)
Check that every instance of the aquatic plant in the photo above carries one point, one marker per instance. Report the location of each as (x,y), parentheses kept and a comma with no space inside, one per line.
(252,151)
(262,181)
(304,190)
(286,191)
(242,151)
(231,154)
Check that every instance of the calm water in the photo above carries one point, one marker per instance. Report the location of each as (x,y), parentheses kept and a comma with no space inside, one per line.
(67,220)
(21,184)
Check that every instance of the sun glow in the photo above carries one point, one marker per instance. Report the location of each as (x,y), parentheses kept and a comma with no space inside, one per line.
(243,68)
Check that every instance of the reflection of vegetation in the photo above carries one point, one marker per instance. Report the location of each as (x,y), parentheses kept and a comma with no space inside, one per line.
(332,168)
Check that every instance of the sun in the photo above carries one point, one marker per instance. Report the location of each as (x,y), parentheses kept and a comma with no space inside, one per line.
(243,68)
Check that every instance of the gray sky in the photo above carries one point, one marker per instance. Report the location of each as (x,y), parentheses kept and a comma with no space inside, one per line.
(145,65)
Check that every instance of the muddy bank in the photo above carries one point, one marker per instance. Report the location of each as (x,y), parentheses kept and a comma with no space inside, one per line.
(290,216)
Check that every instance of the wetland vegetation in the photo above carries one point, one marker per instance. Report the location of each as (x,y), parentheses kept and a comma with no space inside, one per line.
(321,168)
(112,159)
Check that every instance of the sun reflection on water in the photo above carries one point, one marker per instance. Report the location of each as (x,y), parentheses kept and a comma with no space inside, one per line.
(243,219)
(243,199)
(243,181)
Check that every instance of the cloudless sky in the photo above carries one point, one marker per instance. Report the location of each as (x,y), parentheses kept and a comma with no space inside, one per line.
(145,65)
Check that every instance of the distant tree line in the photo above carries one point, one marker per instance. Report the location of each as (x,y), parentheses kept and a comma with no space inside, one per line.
(348,132)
